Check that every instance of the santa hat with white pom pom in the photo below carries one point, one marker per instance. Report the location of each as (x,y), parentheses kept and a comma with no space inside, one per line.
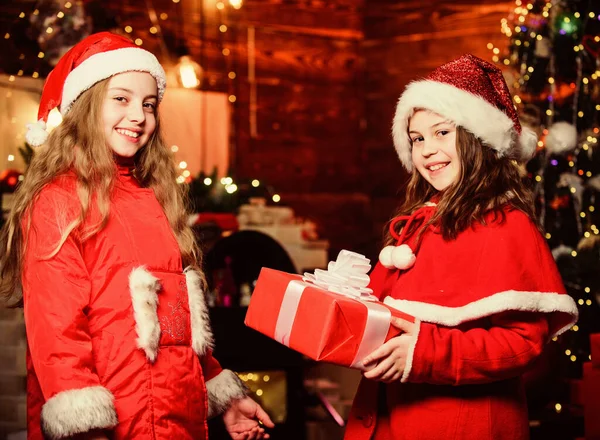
(471,93)
(93,59)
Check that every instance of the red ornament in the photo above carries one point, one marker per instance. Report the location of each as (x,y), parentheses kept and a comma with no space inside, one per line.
(9,179)
(591,45)
(559,202)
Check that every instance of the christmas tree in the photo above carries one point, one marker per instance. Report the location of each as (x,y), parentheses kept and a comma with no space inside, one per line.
(552,64)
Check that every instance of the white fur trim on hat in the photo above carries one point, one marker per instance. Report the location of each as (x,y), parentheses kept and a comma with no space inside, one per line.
(106,64)
(72,412)
(36,133)
(510,300)
(144,288)
(202,337)
(222,390)
(462,108)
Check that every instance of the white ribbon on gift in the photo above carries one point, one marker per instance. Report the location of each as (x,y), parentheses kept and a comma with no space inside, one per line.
(352,268)
(347,275)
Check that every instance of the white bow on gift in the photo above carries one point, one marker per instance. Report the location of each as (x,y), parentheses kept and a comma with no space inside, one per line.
(347,275)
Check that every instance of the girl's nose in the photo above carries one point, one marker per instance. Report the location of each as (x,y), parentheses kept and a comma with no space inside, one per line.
(429,148)
(136,113)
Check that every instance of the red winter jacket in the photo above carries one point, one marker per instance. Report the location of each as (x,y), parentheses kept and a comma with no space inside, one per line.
(118,335)
(485,305)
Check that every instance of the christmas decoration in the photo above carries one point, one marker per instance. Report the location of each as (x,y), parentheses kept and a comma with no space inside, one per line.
(208,193)
(553,62)
(561,138)
(26,152)
(329,316)
(9,179)
(59,25)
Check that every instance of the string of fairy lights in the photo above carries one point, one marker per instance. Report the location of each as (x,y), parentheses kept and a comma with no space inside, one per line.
(54,117)
(529,26)
(190,73)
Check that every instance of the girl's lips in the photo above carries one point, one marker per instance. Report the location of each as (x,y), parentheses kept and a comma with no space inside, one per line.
(438,168)
(131,139)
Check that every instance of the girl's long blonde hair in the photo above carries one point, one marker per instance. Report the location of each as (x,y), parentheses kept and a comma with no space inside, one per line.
(78,144)
(485,182)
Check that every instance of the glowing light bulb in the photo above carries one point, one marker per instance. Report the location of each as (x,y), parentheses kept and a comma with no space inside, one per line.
(189,72)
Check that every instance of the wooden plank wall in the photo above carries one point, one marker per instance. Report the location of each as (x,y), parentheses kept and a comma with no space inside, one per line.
(309,96)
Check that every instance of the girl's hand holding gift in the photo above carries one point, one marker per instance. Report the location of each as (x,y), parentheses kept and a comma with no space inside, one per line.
(241,420)
(390,358)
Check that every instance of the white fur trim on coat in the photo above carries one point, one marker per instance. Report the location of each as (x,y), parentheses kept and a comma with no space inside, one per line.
(202,337)
(144,288)
(106,64)
(222,390)
(411,352)
(465,109)
(75,411)
(510,300)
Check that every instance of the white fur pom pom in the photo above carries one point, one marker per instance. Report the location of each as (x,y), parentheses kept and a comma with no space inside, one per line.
(561,138)
(385,257)
(403,257)
(36,133)
(397,257)
(527,144)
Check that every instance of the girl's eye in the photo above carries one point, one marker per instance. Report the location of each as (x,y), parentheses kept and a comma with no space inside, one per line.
(150,105)
(443,132)
(120,99)
(417,139)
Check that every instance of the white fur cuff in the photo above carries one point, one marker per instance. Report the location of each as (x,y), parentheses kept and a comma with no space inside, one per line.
(222,390)
(75,411)
(411,352)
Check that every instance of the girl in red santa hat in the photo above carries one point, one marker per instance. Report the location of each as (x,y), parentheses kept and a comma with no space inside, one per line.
(464,256)
(119,340)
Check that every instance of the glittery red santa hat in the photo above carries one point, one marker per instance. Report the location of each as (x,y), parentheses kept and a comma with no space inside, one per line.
(93,59)
(472,94)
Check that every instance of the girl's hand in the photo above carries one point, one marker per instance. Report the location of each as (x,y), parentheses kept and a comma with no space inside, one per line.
(390,358)
(241,420)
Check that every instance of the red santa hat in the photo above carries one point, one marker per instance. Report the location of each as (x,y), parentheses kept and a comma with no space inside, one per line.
(471,93)
(93,59)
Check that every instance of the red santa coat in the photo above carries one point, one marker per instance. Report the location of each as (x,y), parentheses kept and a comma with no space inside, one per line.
(118,335)
(485,304)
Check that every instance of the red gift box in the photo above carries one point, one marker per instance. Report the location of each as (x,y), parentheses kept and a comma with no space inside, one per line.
(320,324)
